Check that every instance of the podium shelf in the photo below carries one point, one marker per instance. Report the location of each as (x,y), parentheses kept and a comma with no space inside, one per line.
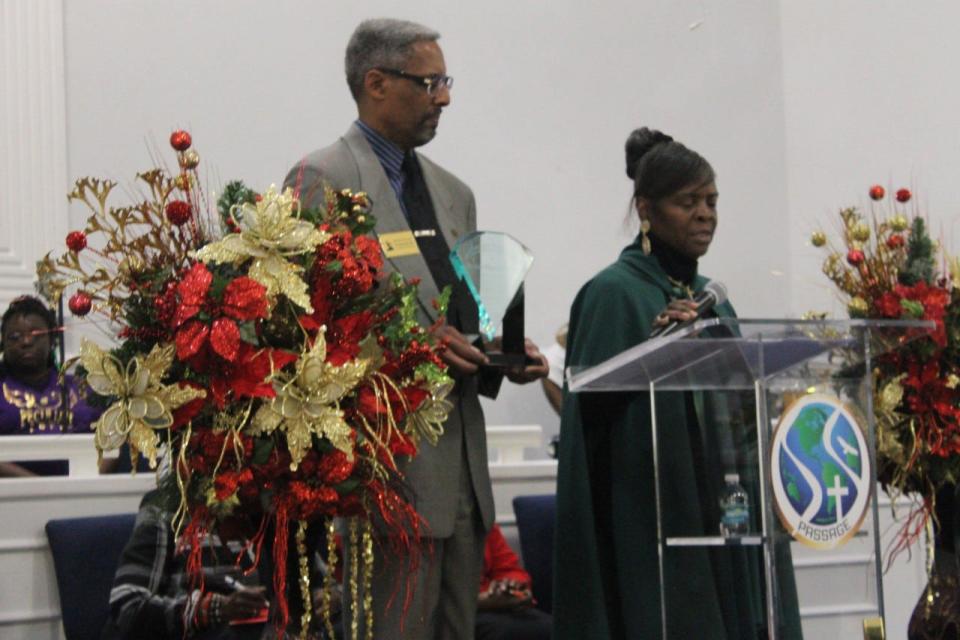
(726,353)
(716,541)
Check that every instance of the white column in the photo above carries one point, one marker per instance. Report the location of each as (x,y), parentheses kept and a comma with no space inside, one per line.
(33,182)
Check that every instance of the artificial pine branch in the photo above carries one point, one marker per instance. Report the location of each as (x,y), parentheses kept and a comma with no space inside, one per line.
(919,266)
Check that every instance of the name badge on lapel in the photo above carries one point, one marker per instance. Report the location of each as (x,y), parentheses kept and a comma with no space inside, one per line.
(398,244)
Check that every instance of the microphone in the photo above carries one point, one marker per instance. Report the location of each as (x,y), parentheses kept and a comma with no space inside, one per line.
(713,294)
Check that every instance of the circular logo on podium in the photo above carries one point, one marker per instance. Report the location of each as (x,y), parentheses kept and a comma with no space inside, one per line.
(820,467)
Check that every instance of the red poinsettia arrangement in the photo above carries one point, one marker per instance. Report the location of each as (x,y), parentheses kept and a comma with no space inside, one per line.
(272,362)
(891,269)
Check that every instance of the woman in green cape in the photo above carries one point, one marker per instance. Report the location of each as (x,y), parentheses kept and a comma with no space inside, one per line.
(606,582)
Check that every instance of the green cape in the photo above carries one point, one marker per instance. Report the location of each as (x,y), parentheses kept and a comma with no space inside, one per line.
(606,578)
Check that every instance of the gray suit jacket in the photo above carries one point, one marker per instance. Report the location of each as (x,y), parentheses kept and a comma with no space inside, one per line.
(434,474)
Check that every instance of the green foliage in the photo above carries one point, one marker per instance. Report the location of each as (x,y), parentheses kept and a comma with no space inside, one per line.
(920,255)
(431,373)
(342,211)
(234,194)
(443,300)
(262,448)
(403,296)
(911,308)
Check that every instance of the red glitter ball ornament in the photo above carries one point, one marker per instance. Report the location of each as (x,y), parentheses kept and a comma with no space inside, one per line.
(877,192)
(904,195)
(76,241)
(178,212)
(895,241)
(180,140)
(80,304)
(855,257)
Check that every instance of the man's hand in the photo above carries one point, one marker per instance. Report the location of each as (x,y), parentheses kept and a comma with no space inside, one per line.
(531,372)
(244,603)
(461,356)
(336,602)
(505,594)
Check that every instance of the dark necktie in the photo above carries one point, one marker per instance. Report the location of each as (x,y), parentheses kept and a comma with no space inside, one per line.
(433,246)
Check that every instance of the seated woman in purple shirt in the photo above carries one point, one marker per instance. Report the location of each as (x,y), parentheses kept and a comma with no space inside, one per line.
(33,396)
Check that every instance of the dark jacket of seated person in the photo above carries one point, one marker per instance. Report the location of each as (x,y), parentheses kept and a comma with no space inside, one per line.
(152,598)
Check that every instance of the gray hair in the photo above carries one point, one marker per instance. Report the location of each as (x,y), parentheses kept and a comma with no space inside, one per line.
(381,42)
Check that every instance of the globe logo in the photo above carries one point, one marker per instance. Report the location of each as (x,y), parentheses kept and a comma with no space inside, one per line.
(820,466)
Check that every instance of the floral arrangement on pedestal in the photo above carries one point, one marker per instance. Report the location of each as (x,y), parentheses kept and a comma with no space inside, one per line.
(264,351)
(889,268)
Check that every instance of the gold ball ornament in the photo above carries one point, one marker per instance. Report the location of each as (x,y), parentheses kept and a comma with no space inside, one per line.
(831,266)
(899,222)
(190,159)
(860,232)
(818,238)
(858,307)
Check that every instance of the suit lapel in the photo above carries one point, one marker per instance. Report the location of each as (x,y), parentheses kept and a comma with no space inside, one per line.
(444,205)
(390,217)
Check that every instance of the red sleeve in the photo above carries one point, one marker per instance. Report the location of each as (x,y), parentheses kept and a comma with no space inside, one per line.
(500,562)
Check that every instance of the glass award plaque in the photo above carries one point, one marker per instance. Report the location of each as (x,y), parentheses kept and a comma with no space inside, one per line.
(493,266)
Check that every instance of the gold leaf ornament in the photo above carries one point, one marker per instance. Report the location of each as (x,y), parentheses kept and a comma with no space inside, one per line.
(955,271)
(271,231)
(890,395)
(427,421)
(144,403)
(307,402)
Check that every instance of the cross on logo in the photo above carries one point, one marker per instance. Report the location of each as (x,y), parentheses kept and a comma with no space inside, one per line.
(837,491)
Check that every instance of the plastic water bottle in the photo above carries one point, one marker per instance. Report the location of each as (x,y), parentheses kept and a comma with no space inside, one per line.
(734,508)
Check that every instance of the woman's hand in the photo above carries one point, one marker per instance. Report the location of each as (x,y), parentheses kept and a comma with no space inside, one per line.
(677,311)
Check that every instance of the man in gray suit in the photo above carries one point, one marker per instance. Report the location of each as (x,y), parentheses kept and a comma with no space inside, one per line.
(397,75)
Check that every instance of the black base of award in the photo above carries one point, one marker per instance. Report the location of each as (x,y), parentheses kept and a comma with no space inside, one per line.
(513,351)
(502,360)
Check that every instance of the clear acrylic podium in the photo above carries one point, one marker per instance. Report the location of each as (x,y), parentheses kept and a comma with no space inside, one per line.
(747,377)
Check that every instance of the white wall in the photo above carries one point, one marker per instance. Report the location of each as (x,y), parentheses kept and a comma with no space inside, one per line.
(870,98)
(32,148)
(545,96)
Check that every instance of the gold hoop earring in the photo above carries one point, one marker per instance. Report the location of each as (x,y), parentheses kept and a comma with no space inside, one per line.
(644,237)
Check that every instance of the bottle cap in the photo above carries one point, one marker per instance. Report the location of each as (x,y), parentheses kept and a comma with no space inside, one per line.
(732,478)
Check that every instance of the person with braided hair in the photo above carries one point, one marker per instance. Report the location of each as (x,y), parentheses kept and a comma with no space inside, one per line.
(607,569)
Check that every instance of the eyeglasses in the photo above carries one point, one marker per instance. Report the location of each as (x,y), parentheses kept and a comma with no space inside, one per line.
(433,84)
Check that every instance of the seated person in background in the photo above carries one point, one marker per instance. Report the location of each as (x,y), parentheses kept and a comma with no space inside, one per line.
(151,596)
(505,606)
(553,383)
(34,396)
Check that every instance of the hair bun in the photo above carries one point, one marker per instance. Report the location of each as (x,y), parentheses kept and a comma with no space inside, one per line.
(639,143)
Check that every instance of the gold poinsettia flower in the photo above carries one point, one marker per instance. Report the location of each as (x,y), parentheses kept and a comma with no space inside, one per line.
(890,396)
(144,403)
(307,402)
(427,421)
(270,232)
(888,399)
